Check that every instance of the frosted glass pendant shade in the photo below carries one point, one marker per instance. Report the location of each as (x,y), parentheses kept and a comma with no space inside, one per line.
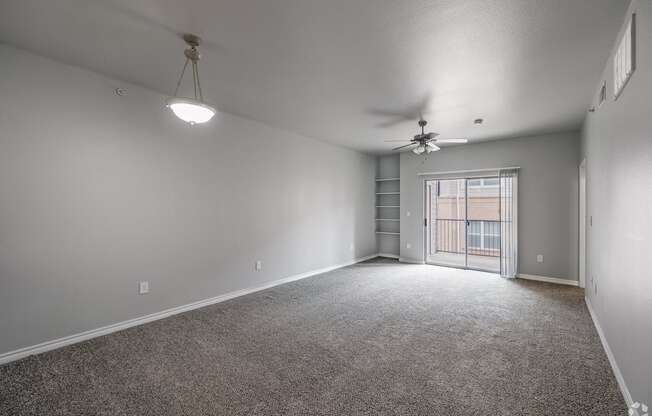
(191,111)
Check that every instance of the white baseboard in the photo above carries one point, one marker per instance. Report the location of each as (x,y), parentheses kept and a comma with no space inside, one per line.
(388,255)
(612,359)
(410,261)
(93,333)
(548,279)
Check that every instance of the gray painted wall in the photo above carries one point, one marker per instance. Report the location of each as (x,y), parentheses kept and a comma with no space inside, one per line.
(548,196)
(98,192)
(389,166)
(617,144)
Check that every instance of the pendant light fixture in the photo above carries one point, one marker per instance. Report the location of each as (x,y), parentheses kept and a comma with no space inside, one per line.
(191,110)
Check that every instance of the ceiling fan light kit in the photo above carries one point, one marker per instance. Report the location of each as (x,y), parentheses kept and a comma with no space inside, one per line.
(431,147)
(191,110)
(418,150)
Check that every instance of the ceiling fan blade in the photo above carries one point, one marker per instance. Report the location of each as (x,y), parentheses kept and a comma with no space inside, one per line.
(392,118)
(422,106)
(400,147)
(416,111)
(393,122)
(398,140)
(452,141)
(432,135)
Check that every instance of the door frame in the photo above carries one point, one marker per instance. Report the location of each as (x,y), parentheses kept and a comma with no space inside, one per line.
(427,196)
(582,224)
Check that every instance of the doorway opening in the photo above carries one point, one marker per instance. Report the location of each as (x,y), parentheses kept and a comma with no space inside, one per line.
(463,223)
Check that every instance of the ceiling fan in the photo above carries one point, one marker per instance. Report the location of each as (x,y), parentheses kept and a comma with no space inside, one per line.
(426,142)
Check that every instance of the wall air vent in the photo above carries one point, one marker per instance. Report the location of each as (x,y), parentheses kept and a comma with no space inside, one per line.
(625,58)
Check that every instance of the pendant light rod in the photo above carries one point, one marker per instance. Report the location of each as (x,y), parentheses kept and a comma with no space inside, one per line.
(201,96)
(183,71)
(192,56)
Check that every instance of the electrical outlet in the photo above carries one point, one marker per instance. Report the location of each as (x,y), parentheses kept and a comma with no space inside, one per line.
(407,214)
(408,245)
(143,288)
(259,265)
(539,258)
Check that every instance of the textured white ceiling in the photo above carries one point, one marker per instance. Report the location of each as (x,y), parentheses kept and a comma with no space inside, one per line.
(337,70)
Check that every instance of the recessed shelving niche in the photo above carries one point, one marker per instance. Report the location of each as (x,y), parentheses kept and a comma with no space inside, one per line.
(388,205)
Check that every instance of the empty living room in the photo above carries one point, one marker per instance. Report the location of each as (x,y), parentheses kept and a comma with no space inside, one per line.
(325,207)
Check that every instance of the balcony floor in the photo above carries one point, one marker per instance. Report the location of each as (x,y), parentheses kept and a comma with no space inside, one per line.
(490,264)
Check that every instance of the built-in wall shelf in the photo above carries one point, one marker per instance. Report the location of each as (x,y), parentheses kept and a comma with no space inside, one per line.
(388,205)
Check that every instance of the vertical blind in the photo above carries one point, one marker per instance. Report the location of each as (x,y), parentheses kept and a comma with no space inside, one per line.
(508,222)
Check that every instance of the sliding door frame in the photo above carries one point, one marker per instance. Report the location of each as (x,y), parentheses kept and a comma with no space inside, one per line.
(427,210)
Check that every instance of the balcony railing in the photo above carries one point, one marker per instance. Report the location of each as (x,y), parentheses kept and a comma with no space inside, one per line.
(450,236)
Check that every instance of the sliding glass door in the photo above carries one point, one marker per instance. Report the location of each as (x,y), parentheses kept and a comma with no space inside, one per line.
(483,224)
(463,223)
(446,243)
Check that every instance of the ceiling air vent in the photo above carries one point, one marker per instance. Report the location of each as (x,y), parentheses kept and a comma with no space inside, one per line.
(625,58)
